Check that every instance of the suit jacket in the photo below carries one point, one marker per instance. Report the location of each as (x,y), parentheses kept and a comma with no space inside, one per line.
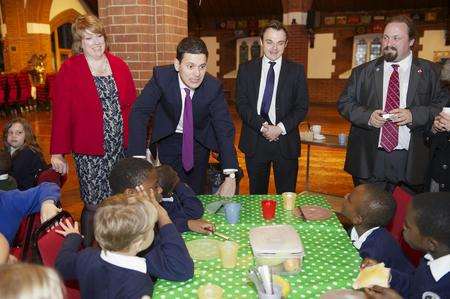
(161,97)
(364,94)
(77,124)
(291,105)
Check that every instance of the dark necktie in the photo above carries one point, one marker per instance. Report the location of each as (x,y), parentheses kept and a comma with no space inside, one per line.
(389,131)
(187,152)
(268,92)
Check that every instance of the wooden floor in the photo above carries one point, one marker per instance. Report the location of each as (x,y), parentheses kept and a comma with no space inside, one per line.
(326,174)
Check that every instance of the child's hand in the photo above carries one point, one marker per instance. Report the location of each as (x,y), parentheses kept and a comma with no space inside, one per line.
(68,228)
(367,262)
(163,217)
(377,292)
(48,210)
(200,226)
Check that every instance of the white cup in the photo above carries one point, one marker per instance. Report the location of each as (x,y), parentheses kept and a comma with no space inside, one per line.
(316,129)
(446,110)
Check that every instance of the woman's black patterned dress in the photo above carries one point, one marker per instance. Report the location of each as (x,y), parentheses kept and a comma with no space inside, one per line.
(93,171)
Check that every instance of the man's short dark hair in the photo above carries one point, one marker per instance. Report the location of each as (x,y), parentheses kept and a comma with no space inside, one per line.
(129,173)
(433,215)
(275,25)
(378,206)
(412,31)
(5,162)
(191,45)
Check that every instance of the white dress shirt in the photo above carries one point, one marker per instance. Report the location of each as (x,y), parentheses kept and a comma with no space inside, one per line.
(124,261)
(404,71)
(265,66)
(438,267)
(359,241)
(179,128)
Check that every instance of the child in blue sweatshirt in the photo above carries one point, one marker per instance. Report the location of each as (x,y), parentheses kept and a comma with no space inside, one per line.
(123,226)
(185,212)
(370,209)
(426,228)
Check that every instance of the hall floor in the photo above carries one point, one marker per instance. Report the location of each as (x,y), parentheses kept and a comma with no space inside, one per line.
(326,165)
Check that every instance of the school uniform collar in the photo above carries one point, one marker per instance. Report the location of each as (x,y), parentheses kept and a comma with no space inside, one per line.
(124,261)
(168,199)
(4,177)
(358,241)
(438,267)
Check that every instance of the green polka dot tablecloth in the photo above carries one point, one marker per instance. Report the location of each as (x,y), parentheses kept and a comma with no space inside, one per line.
(330,262)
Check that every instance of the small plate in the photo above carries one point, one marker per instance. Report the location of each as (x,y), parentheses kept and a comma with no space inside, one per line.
(203,249)
(312,212)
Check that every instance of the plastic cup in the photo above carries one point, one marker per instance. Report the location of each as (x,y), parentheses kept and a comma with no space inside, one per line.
(209,291)
(268,208)
(342,138)
(289,200)
(228,254)
(276,293)
(232,212)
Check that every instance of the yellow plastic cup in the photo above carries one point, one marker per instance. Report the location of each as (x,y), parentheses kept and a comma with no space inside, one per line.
(289,200)
(228,254)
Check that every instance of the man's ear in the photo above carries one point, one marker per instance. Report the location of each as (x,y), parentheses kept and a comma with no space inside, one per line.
(176,64)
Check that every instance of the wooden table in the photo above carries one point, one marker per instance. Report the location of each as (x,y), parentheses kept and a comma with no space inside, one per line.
(329,141)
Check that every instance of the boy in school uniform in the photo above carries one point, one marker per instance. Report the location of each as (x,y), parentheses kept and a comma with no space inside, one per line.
(426,228)
(178,199)
(370,209)
(130,173)
(123,226)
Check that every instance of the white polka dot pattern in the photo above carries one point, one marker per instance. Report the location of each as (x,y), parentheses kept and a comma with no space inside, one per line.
(330,261)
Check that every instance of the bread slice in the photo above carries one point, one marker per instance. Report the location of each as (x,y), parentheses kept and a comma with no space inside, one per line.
(374,275)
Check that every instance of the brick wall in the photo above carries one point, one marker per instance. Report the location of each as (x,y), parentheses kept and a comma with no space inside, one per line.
(144,33)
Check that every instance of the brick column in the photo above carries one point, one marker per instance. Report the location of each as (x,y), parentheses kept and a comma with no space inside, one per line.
(144,33)
(297,49)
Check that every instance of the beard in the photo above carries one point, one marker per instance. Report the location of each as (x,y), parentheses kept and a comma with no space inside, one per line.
(390,53)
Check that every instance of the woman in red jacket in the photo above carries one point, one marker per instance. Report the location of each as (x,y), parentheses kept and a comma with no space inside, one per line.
(94,93)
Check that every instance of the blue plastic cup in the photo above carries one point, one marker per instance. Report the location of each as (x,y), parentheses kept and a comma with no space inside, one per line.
(232,212)
(342,138)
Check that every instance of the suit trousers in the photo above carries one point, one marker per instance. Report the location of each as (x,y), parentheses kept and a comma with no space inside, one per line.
(169,151)
(258,168)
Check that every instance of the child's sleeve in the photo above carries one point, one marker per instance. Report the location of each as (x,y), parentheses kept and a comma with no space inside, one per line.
(192,206)
(169,258)
(66,261)
(29,201)
(401,282)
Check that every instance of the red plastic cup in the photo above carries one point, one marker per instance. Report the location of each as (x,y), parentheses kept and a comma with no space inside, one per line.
(268,208)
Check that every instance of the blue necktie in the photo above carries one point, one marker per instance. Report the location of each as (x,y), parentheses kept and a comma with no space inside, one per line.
(268,92)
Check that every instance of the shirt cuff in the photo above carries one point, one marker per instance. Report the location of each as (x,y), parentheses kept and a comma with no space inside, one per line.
(140,157)
(262,127)
(229,170)
(283,129)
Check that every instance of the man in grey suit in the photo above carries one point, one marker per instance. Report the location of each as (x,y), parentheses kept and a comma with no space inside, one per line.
(390,103)
(272,100)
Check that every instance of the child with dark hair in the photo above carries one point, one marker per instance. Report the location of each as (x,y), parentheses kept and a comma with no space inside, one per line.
(168,258)
(179,200)
(370,209)
(26,155)
(7,182)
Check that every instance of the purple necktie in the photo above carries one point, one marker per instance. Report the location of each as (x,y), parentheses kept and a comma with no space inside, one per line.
(389,131)
(187,152)
(268,92)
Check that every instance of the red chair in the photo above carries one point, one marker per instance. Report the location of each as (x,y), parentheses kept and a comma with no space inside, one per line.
(50,175)
(402,198)
(46,244)
(3,93)
(24,89)
(13,91)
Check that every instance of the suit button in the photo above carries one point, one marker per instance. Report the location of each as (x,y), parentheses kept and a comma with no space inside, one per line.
(444,166)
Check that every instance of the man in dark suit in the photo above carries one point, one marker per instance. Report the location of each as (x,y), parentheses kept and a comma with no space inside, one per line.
(390,102)
(271,99)
(191,118)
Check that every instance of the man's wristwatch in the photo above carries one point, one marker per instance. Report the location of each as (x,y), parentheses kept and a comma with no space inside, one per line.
(231,175)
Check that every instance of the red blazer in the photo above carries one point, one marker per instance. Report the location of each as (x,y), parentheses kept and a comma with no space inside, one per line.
(77,124)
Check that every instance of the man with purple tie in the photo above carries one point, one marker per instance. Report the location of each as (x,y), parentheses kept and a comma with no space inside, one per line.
(391,103)
(272,100)
(190,118)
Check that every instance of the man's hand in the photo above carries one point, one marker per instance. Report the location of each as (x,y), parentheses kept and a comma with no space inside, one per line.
(376,119)
(377,292)
(441,123)
(402,116)
(59,164)
(68,228)
(228,187)
(48,210)
(271,133)
(200,226)
(367,262)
